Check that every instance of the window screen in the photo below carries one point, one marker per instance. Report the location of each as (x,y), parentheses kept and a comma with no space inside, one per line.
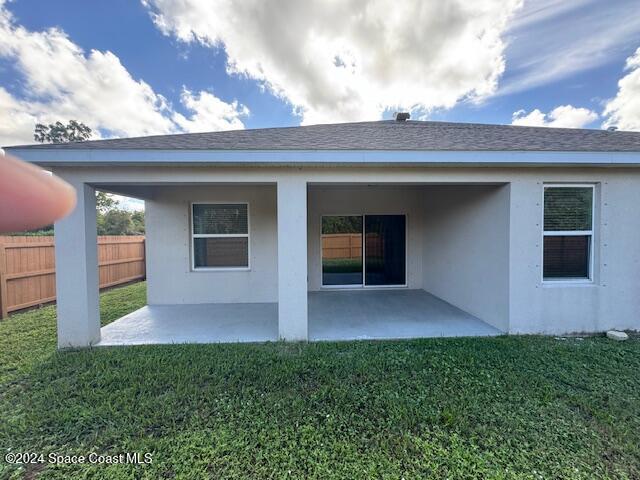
(568,232)
(220,235)
(568,208)
(220,219)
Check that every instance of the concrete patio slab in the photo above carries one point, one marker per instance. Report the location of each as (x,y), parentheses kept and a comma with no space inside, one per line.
(201,323)
(388,314)
(333,315)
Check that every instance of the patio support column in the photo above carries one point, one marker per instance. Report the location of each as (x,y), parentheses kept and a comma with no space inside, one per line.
(77,273)
(292,259)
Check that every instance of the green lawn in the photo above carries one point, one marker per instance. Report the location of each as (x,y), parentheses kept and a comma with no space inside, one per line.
(508,407)
(341,265)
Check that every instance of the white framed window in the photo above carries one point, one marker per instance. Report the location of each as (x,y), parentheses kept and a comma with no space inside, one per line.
(568,232)
(220,236)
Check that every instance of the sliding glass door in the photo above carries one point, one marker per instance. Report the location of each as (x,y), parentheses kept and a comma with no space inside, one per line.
(364,250)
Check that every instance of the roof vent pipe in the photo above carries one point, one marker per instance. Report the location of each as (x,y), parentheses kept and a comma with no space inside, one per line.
(612,128)
(401,116)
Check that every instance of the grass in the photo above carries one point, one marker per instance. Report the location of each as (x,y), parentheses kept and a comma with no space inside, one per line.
(506,407)
(342,265)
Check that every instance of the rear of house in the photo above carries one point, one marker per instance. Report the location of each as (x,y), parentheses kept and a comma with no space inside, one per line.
(384,229)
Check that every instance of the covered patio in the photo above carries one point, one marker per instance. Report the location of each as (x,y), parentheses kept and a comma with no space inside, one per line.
(249,261)
(333,315)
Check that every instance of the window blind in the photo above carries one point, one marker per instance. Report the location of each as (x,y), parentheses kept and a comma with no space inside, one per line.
(568,208)
(566,256)
(220,219)
(221,252)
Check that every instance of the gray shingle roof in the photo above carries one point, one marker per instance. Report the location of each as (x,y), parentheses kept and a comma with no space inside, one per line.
(380,135)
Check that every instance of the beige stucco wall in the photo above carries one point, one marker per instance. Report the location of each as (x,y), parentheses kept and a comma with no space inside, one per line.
(612,300)
(466,249)
(169,274)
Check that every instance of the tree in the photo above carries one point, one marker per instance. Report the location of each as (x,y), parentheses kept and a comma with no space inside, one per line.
(342,224)
(137,221)
(120,222)
(60,133)
(105,202)
(114,222)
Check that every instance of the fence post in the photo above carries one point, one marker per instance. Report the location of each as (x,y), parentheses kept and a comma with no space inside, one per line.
(3,283)
(144,258)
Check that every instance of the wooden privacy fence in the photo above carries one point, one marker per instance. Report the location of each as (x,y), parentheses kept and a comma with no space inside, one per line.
(342,245)
(349,245)
(27,268)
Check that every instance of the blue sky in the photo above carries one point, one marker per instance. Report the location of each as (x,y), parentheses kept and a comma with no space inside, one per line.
(124,28)
(168,67)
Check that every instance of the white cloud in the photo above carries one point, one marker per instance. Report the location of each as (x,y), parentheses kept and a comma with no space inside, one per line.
(129,203)
(623,111)
(209,113)
(553,39)
(352,59)
(62,82)
(16,121)
(564,116)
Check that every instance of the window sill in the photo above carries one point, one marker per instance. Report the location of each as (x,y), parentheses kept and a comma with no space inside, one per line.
(568,283)
(220,269)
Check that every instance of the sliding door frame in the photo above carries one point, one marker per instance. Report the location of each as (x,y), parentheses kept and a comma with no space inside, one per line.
(363,285)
